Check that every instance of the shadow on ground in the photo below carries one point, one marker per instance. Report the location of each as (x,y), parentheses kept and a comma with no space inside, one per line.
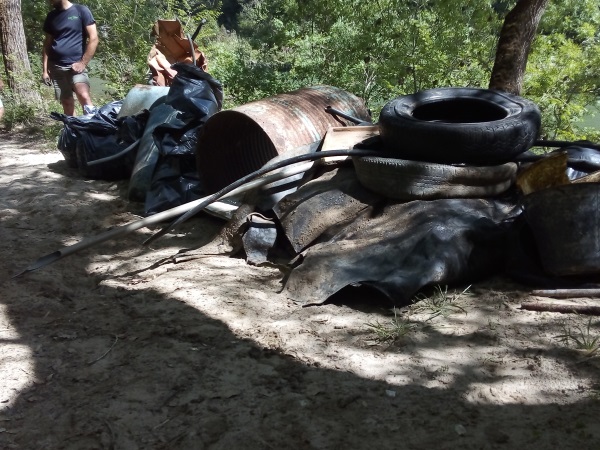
(100,367)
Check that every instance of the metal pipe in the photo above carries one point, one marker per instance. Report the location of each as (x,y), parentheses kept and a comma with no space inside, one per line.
(268,168)
(159,217)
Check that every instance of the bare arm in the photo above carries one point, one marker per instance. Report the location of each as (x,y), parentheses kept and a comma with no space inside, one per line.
(45,50)
(90,49)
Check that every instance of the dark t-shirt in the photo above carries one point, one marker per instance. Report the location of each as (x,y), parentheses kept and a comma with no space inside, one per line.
(67,28)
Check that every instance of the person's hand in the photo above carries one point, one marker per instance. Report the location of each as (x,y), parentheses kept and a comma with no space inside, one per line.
(78,67)
(46,79)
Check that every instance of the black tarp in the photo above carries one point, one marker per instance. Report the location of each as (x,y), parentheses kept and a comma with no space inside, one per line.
(165,174)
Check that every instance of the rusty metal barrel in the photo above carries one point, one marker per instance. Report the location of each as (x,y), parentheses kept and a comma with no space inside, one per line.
(235,142)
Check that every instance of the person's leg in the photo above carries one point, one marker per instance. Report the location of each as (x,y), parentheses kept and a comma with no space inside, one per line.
(81,87)
(1,109)
(82,91)
(61,79)
(68,105)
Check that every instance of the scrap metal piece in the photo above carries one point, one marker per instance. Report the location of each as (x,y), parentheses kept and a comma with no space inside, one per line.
(259,238)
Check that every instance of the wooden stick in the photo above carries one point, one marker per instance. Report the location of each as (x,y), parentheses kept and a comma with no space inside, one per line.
(567,293)
(590,310)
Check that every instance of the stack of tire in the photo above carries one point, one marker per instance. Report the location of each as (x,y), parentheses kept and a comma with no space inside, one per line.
(450,142)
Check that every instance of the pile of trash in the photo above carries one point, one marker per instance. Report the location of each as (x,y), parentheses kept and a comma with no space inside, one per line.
(153,148)
(393,214)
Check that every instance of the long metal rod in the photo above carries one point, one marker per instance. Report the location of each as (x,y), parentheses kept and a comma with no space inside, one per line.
(159,217)
(260,172)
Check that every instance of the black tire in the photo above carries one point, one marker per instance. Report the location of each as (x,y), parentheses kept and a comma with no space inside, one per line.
(459,125)
(412,180)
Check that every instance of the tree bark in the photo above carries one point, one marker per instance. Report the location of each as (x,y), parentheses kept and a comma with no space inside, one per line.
(514,44)
(567,293)
(14,52)
(590,310)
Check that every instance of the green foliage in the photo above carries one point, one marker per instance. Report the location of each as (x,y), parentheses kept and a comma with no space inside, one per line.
(562,75)
(377,50)
(22,107)
(19,112)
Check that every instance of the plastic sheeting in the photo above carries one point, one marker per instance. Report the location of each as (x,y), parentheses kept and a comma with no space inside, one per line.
(164,174)
(397,248)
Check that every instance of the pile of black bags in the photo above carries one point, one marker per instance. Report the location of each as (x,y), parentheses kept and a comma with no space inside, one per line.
(154,149)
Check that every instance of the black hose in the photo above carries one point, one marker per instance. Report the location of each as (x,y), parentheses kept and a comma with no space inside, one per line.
(112,157)
(260,172)
(335,112)
(560,144)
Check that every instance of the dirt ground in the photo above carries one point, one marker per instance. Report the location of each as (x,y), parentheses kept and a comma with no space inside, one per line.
(124,347)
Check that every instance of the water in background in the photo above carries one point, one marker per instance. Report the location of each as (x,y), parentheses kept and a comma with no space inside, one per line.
(592,120)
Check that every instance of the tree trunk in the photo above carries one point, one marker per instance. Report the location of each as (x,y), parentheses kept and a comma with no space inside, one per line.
(518,31)
(14,52)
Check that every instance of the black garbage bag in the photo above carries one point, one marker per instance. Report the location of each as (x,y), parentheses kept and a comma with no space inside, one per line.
(67,143)
(194,92)
(165,175)
(112,156)
(174,183)
(131,128)
(161,115)
(102,123)
(92,147)
(175,180)
(100,152)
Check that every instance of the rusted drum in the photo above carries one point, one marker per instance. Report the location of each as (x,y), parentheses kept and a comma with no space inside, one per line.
(238,141)
(566,224)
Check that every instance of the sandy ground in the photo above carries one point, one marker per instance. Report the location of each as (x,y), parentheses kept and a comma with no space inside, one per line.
(122,347)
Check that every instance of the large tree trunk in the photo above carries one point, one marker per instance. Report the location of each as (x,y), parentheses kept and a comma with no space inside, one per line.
(518,31)
(14,52)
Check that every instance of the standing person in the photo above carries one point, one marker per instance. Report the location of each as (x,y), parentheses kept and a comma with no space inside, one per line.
(70,43)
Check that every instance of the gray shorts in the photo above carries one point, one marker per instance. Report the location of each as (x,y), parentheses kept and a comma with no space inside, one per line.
(63,79)
(1,105)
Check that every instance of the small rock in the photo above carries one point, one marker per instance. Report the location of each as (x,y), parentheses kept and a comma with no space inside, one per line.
(460,430)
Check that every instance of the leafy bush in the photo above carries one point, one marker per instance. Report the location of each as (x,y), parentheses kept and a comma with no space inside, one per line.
(376,50)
